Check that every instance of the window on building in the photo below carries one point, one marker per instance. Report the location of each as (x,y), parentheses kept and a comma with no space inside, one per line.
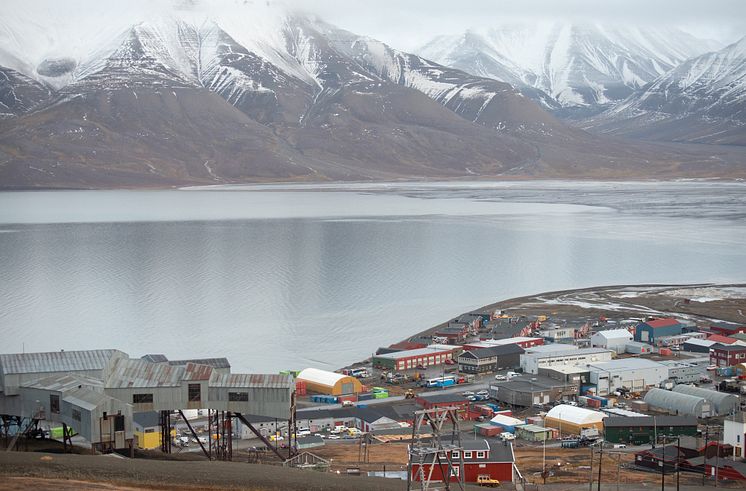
(76,415)
(454,471)
(238,396)
(195,393)
(142,398)
(467,455)
(54,403)
(454,454)
(480,454)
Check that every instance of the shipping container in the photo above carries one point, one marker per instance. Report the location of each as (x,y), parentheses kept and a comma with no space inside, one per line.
(665,352)
(365,396)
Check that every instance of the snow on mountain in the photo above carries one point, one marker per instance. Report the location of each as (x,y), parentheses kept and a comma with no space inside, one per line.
(701,100)
(581,66)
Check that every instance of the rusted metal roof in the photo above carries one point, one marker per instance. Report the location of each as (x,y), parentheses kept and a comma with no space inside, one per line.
(57,361)
(272,381)
(128,373)
(87,399)
(195,372)
(213,362)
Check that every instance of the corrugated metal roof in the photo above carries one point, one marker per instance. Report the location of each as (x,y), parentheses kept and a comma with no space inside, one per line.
(675,401)
(57,361)
(722,402)
(195,372)
(63,382)
(128,373)
(213,362)
(255,380)
(87,399)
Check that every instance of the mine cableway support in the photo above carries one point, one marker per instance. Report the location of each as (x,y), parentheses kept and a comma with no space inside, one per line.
(259,435)
(194,434)
(165,422)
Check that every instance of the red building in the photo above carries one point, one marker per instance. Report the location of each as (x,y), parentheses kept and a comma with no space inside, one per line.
(719,338)
(495,461)
(727,329)
(727,356)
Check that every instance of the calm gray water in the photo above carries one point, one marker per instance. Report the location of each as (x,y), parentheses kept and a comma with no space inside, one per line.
(288,277)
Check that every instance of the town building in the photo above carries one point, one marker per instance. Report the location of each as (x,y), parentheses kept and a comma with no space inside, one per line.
(522,341)
(727,328)
(643,430)
(637,348)
(681,372)
(612,339)
(527,390)
(650,331)
(571,419)
(725,340)
(147,429)
(680,339)
(678,404)
(431,401)
(331,383)
(698,345)
(411,359)
(557,334)
(727,355)
(575,375)
(734,433)
(481,458)
(532,360)
(491,359)
(533,433)
(720,402)
(631,373)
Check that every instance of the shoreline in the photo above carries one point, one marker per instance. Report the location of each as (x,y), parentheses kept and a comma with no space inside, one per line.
(653,298)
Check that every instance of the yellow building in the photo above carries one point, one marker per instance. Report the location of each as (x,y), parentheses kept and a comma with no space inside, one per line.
(147,430)
(330,383)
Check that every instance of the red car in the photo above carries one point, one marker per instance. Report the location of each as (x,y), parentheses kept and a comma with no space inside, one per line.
(450,362)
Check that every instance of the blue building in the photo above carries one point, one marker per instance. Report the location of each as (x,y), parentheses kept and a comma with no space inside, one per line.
(650,331)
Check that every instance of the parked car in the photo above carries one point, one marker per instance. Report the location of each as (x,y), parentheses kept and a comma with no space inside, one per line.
(483,393)
(450,362)
(510,375)
(507,436)
(501,376)
(467,393)
(347,403)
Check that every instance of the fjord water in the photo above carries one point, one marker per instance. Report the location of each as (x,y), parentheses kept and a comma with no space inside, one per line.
(280,277)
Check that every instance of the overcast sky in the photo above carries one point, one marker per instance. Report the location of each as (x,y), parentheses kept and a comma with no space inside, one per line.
(407,24)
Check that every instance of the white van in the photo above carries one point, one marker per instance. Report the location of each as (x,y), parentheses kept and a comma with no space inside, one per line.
(511,375)
(303,432)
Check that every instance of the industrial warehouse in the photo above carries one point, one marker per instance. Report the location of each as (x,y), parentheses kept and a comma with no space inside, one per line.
(96,393)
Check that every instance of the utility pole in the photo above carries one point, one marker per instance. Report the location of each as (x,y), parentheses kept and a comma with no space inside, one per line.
(600,461)
(618,467)
(717,454)
(591,479)
(678,450)
(704,471)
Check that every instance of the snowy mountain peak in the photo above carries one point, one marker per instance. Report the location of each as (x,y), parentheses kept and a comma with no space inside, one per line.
(581,65)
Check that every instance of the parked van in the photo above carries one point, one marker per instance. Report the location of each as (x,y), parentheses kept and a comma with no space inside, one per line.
(511,375)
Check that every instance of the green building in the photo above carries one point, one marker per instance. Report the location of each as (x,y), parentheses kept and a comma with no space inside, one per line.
(641,430)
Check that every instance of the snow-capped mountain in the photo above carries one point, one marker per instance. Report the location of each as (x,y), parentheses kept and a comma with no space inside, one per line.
(702,100)
(583,67)
(235,91)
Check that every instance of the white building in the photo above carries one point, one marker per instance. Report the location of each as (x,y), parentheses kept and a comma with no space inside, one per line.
(613,339)
(735,434)
(631,373)
(555,333)
(534,359)
(681,372)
